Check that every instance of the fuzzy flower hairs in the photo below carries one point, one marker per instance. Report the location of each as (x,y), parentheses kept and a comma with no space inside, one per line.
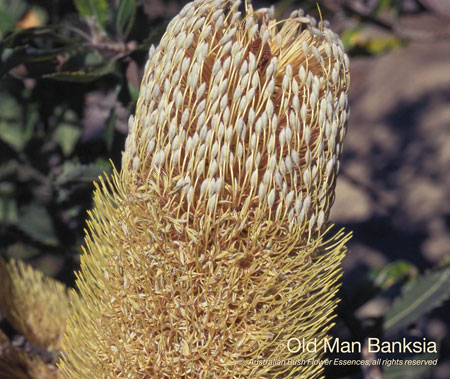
(210,249)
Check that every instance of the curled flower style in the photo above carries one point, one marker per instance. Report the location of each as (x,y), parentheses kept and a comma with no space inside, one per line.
(211,248)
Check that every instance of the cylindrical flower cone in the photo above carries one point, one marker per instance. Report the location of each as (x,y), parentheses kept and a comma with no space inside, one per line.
(211,249)
(36,308)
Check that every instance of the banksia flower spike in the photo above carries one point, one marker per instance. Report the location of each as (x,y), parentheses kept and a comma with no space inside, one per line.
(211,247)
(36,307)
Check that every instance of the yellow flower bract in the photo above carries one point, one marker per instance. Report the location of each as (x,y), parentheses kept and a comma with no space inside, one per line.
(36,307)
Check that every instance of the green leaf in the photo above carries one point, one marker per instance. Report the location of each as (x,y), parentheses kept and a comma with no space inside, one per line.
(7,22)
(8,205)
(14,130)
(392,273)
(8,211)
(419,297)
(378,46)
(77,172)
(36,222)
(93,8)
(134,92)
(125,15)
(383,5)
(93,58)
(83,76)
(10,12)
(67,137)
(352,37)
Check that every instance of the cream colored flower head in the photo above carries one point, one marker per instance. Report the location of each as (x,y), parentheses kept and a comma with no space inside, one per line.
(210,250)
(239,111)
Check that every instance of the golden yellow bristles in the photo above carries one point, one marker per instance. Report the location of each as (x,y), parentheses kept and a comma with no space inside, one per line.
(36,307)
(211,248)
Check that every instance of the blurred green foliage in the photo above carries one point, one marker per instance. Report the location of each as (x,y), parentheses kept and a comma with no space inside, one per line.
(69,78)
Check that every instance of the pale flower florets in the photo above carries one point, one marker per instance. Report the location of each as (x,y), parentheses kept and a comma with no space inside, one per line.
(256,105)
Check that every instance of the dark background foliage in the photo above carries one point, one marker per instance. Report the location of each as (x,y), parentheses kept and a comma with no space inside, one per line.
(69,79)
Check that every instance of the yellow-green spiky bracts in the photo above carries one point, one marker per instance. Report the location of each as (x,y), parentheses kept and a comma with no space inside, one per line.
(36,307)
(211,248)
